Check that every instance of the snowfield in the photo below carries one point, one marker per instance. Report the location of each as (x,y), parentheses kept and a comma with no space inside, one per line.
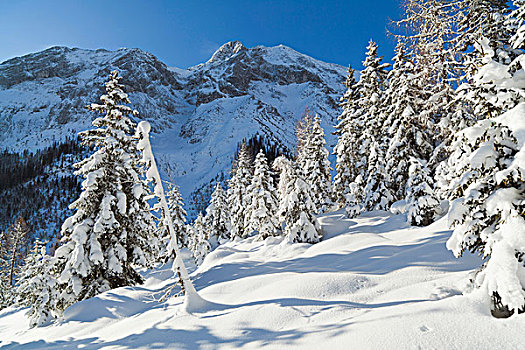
(372,283)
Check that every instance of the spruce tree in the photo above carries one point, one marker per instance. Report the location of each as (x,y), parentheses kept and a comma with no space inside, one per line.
(484,36)
(238,196)
(346,150)
(487,211)
(178,217)
(297,207)
(217,219)
(313,160)
(422,203)
(261,211)
(198,243)
(406,137)
(372,151)
(377,195)
(111,228)
(37,287)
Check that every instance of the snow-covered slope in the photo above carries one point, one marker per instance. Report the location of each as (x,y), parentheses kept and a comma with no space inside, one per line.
(199,114)
(372,283)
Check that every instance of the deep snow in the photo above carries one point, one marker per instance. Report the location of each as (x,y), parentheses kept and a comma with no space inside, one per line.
(373,282)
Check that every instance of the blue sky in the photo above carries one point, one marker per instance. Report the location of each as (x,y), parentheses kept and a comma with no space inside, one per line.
(185,33)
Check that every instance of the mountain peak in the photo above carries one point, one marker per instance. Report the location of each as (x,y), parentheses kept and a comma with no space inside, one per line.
(227,50)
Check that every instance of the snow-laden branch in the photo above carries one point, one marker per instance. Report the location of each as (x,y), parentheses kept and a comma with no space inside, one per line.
(193,301)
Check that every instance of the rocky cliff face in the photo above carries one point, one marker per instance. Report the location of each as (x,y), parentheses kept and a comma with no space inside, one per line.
(199,114)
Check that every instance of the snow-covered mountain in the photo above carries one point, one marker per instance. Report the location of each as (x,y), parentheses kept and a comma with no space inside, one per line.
(199,115)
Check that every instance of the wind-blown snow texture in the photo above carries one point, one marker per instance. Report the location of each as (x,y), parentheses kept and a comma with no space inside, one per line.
(199,114)
(372,283)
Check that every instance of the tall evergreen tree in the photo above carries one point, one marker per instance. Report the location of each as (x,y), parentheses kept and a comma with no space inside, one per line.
(111,227)
(372,87)
(346,150)
(217,219)
(261,211)
(37,287)
(487,214)
(238,196)
(296,207)
(406,136)
(485,36)
(422,203)
(313,160)
(198,243)
(178,217)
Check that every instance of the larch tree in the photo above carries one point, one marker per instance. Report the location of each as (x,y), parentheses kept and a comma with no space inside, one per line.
(16,242)
(430,30)
(261,211)
(112,224)
(5,288)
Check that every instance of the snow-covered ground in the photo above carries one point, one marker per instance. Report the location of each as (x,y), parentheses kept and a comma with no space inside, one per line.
(372,283)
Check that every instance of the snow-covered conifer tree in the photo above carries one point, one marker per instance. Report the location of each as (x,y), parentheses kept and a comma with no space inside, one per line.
(238,196)
(372,151)
(377,195)
(484,36)
(283,166)
(217,219)
(422,203)
(178,217)
(313,160)
(487,214)
(198,243)
(37,286)
(261,211)
(297,208)
(405,136)
(346,150)
(112,226)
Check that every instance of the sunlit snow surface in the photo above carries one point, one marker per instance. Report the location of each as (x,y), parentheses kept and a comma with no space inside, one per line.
(372,283)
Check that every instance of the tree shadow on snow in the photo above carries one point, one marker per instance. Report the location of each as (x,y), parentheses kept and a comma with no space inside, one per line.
(202,336)
(375,260)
